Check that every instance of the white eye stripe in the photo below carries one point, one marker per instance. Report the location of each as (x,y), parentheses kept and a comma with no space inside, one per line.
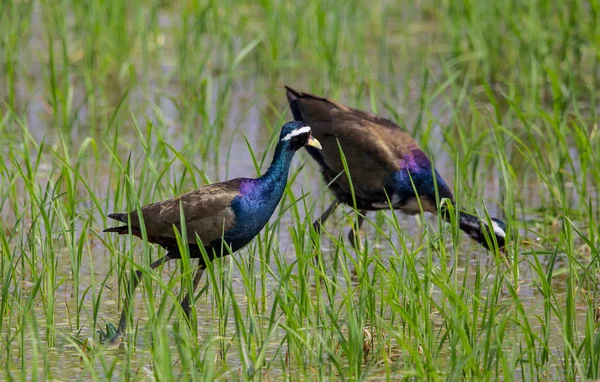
(294,133)
(497,229)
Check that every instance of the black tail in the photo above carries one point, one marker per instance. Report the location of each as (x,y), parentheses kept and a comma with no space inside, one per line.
(293,96)
(119,217)
(120,230)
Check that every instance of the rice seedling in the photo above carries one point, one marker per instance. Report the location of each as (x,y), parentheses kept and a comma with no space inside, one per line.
(108,105)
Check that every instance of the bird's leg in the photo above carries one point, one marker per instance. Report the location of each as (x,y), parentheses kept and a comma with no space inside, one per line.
(318,224)
(188,300)
(130,290)
(354,234)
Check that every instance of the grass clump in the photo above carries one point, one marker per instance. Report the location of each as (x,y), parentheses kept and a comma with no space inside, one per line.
(105,106)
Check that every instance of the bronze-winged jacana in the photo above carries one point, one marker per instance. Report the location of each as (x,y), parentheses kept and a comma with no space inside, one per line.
(226,216)
(384,163)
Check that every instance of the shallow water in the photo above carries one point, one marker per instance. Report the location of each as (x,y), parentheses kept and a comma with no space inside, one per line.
(67,363)
(250,104)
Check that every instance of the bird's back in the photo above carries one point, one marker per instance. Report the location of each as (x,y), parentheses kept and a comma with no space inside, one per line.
(207,213)
(373,147)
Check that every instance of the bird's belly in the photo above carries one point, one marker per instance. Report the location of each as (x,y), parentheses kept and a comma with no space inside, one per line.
(409,206)
(374,195)
(383,204)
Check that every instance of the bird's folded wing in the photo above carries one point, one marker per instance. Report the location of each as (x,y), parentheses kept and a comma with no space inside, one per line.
(376,137)
(207,212)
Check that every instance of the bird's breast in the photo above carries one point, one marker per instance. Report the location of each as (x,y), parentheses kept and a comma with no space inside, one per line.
(251,216)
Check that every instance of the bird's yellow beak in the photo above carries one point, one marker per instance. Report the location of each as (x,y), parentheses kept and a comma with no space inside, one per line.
(312,142)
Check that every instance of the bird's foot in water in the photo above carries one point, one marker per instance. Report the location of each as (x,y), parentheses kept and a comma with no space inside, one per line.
(113,337)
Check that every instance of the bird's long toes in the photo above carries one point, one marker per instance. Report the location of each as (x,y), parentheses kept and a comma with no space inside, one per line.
(116,342)
(112,337)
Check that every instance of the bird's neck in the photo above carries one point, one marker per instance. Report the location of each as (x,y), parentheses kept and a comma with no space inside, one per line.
(277,174)
(469,223)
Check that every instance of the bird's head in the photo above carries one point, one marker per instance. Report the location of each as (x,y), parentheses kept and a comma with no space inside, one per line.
(296,134)
(483,231)
(499,230)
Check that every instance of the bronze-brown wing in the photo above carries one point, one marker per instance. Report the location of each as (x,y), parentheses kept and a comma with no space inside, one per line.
(373,146)
(207,213)
(370,142)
